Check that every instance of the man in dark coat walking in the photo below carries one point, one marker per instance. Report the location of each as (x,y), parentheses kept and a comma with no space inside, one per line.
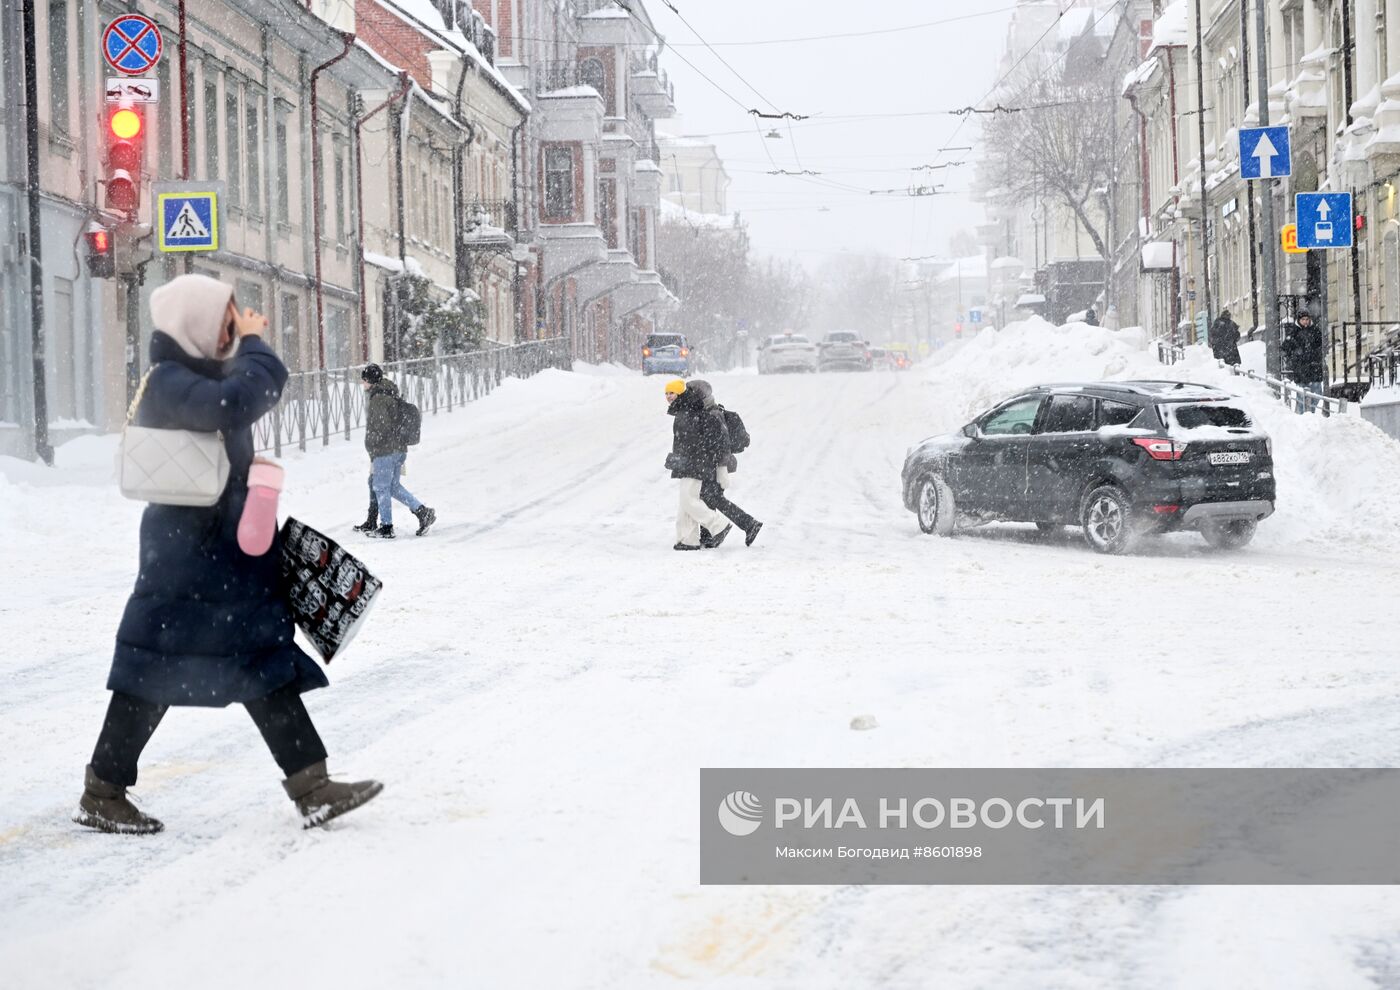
(388,452)
(698,446)
(208,625)
(1305,357)
(713,492)
(1224,338)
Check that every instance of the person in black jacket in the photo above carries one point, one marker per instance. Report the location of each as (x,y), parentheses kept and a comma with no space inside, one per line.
(698,447)
(1305,357)
(208,625)
(1224,338)
(388,453)
(713,492)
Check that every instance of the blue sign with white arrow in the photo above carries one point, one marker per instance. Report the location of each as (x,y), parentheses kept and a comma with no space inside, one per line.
(1265,153)
(1324,220)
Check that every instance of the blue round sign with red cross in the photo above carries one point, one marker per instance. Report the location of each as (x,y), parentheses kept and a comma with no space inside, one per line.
(131,44)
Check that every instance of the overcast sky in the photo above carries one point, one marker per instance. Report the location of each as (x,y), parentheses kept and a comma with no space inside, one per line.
(913,71)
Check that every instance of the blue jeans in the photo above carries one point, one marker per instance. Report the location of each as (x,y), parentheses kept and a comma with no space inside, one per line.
(384,485)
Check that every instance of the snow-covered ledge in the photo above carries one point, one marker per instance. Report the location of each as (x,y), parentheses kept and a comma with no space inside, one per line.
(1386,140)
(1308,94)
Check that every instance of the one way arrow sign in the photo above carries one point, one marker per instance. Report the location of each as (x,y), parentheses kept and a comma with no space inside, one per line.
(1265,153)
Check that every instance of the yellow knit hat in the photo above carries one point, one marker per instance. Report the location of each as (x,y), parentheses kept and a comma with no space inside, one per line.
(675,387)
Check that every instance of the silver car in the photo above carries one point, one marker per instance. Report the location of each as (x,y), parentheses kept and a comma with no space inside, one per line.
(846,351)
(787,352)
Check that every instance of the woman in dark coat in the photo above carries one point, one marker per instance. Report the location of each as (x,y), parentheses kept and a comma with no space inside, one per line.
(1224,338)
(697,449)
(207,625)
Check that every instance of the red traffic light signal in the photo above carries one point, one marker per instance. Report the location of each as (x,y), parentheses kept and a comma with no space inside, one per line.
(126,144)
(101,260)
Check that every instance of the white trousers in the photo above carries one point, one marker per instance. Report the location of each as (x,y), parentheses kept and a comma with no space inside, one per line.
(693,514)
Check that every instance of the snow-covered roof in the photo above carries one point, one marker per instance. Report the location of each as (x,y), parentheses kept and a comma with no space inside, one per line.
(572,91)
(1173,27)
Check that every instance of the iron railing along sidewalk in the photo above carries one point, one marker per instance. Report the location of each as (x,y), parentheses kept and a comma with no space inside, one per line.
(317,405)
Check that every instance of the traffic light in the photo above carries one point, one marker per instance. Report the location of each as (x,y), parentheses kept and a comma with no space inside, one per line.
(126,142)
(101,262)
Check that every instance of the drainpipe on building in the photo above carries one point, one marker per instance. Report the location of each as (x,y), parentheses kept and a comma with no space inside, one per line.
(317,194)
(405,82)
(1249,192)
(1176,184)
(1273,351)
(1348,49)
(34,247)
(461,260)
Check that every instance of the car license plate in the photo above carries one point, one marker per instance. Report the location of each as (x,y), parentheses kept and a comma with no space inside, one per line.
(1230,457)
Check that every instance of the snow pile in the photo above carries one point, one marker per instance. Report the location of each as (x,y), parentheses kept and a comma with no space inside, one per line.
(1338,477)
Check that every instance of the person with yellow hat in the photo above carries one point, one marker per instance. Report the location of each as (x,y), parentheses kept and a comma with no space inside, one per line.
(697,450)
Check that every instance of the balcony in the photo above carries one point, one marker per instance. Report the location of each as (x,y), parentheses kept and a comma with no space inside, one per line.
(490,224)
(652,90)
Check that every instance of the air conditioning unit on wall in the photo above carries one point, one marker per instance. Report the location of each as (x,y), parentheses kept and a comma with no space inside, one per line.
(339,14)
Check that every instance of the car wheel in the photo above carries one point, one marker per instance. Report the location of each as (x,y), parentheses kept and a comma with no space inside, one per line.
(1229,535)
(1107,520)
(934,505)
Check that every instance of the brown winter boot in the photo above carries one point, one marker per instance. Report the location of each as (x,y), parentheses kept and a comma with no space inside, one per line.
(106,808)
(319,799)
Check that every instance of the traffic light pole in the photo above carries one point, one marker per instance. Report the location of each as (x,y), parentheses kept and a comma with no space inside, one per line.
(34,245)
(1273,353)
(1205,197)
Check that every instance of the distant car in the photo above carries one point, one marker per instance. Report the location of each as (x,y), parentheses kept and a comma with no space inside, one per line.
(844,350)
(786,352)
(667,353)
(880,359)
(901,360)
(1119,459)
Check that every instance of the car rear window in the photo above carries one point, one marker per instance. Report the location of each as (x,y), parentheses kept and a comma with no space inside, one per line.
(841,338)
(791,339)
(665,340)
(1195,416)
(1116,413)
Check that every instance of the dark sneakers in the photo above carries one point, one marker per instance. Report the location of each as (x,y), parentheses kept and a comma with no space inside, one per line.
(319,799)
(709,543)
(426,517)
(106,808)
(383,533)
(369,525)
(752,534)
(684,546)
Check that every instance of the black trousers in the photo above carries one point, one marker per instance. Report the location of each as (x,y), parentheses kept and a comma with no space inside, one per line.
(281,717)
(713,495)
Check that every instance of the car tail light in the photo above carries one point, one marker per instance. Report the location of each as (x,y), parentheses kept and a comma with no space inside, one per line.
(685,352)
(1166,510)
(646,352)
(1161,448)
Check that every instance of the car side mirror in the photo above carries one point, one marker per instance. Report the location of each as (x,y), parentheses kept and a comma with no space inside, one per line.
(971,431)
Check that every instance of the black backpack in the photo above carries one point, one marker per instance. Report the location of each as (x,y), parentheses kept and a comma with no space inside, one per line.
(738,435)
(408,421)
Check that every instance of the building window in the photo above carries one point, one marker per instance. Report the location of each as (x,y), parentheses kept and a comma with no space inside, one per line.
(559,183)
(252,138)
(165,141)
(607,210)
(340,196)
(211,129)
(288,331)
(231,143)
(248,293)
(284,206)
(58,68)
(337,337)
(592,73)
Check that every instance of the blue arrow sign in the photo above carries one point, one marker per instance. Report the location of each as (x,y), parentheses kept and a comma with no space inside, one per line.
(188,221)
(1265,153)
(1324,220)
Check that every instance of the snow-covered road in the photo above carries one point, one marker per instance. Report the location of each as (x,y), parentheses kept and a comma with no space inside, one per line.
(545,677)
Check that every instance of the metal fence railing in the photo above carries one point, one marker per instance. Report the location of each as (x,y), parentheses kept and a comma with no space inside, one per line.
(318,405)
(1289,393)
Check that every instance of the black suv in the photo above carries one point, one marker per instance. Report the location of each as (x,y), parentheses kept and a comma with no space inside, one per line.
(1120,459)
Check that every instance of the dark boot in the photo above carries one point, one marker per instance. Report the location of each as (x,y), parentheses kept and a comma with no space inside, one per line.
(385,532)
(319,799)
(709,543)
(106,808)
(684,546)
(371,522)
(752,533)
(426,517)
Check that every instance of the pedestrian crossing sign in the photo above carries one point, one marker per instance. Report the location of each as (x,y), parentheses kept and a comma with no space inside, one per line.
(188,221)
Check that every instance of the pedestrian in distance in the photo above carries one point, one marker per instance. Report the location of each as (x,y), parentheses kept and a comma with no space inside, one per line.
(698,446)
(208,624)
(1090,317)
(1224,338)
(736,437)
(1305,358)
(391,427)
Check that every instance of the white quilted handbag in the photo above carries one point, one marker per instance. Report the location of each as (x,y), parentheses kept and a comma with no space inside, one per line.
(170,467)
